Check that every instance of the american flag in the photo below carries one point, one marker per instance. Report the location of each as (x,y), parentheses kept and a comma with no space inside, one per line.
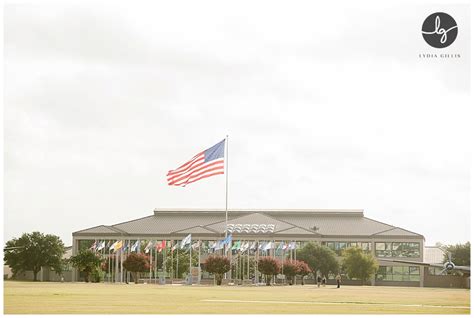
(207,163)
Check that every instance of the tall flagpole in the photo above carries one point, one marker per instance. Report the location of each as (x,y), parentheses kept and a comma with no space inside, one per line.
(226,191)
(226,179)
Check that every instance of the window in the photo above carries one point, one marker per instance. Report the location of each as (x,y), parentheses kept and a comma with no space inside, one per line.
(397,249)
(398,273)
(338,247)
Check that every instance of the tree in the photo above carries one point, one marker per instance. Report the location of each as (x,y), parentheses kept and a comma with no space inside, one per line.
(319,258)
(269,267)
(86,261)
(302,269)
(32,251)
(136,263)
(460,254)
(183,262)
(290,269)
(217,265)
(358,264)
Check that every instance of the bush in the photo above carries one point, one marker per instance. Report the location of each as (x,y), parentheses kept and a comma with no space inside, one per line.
(302,269)
(358,264)
(136,263)
(269,267)
(86,261)
(319,258)
(217,265)
(290,269)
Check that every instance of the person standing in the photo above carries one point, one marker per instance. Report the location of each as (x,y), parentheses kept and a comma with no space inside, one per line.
(324,281)
(338,281)
(318,279)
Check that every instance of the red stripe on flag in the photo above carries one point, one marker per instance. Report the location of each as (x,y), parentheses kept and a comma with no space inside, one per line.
(217,166)
(205,176)
(200,167)
(187,165)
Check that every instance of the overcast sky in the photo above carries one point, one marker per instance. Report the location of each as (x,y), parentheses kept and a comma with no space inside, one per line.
(325,107)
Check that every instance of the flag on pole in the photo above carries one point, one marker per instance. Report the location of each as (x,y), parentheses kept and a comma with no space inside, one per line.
(118,246)
(160,246)
(254,246)
(148,246)
(292,246)
(174,247)
(268,246)
(135,246)
(185,241)
(195,246)
(207,163)
(244,246)
(94,246)
(236,246)
(280,246)
(101,246)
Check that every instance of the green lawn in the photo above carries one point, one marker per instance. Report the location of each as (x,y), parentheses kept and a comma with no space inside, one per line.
(104,298)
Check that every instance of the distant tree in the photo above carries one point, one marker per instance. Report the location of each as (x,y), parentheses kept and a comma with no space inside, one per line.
(86,261)
(358,264)
(319,258)
(136,263)
(32,251)
(269,267)
(302,270)
(183,262)
(290,269)
(460,254)
(217,265)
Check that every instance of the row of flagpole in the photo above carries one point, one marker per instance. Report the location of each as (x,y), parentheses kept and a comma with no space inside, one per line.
(119,250)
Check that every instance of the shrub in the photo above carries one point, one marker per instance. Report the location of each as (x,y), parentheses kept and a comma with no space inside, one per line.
(290,269)
(302,270)
(86,261)
(269,267)
(136,263)
(319,258)
(217,265)
(358,264)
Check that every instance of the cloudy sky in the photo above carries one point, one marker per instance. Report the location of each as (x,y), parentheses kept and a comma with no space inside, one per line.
(325,107)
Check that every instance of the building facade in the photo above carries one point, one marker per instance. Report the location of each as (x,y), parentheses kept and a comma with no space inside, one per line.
(337,229)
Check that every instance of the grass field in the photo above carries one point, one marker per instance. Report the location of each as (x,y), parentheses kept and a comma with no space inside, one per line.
(103,298)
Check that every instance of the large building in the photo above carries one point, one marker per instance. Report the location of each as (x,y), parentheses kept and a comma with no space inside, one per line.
(337,229)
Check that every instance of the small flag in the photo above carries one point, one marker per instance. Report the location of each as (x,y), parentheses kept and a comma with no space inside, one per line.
(254,246)
(236,246)
(195,246)
(118,245)
(185,241)
(135,246)
(207,163)
(292,246)
(245,246)
(160,246)
(285,246)
(268,246)
(262,245)
(148,246)
(94,246)
(101,246)
(280,246)
(174,247)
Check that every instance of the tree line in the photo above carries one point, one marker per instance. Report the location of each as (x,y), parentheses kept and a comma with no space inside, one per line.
(34,250)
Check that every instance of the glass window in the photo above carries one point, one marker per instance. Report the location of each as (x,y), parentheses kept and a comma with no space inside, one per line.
(330,245)
(414,270)
(380,246)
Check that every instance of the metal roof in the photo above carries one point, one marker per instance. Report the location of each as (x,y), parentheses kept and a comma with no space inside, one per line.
(290,222)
